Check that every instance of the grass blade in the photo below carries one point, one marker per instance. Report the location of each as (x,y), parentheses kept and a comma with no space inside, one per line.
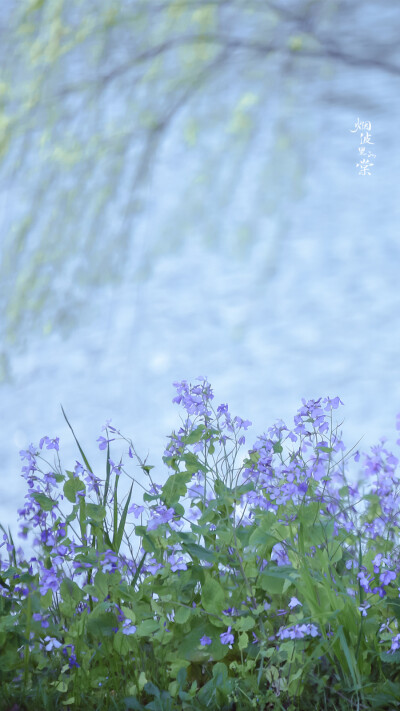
(88,467)
(108,475)
(118,536)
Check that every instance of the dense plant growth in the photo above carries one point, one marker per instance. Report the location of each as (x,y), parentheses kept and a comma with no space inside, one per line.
(269,585)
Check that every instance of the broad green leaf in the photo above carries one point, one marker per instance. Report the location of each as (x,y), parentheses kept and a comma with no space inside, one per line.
(45,502)
(199,552)
(101,622)
(192,463)
(101,585)
(243,640)
(262,538)
(71,488)
(70,590)
(96,512)
(182,615)
(61,686)
(175,487)
(272,580)
(194,436)
(122,643)
(244,624)
(213,596)
(147,628)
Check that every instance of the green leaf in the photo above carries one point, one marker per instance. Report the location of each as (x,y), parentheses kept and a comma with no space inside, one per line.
(243,640)
(349,657)
(88,467)
(61,686)
(101,622)
(122,644)
(45,502)
(199,552)
(192,463)
(194,436)
(151,689)
(182,615)
(261,538)
(108,474)
(273,580)
(133,704)
(96,512)
(118,535)
(175,487)
(71,488)
(244,624)
(394,604)
(147,628)
(101,584)
(70,590)
(213,596)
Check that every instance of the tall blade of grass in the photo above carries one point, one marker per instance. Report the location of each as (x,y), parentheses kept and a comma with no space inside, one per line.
(106,488)
(2,581)
(115,505)
(348,657)
(138,569)
(10,538)
(118,534)
(108,474)
(88,467)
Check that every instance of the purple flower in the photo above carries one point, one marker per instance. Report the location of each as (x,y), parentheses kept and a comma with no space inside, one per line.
(115,468)
(108,426)
(363,608)
(192,397)
(128,627)
(387,576)
(50,443)
(332,404)
(38,617)
(136,510)
(395,643)
(297,632)
(207,640)
(163,515)
(110,562)
(28,454)
(72,658)
(152,566)
(103,442)
(293,602)
(52,643)
(177,564)
(227,638)
(49,581)
(242,423)
(365,580)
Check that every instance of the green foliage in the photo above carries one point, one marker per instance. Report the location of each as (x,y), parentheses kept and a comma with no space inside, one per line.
(214,633)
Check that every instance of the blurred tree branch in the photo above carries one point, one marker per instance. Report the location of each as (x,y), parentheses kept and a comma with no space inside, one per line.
(88,95)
